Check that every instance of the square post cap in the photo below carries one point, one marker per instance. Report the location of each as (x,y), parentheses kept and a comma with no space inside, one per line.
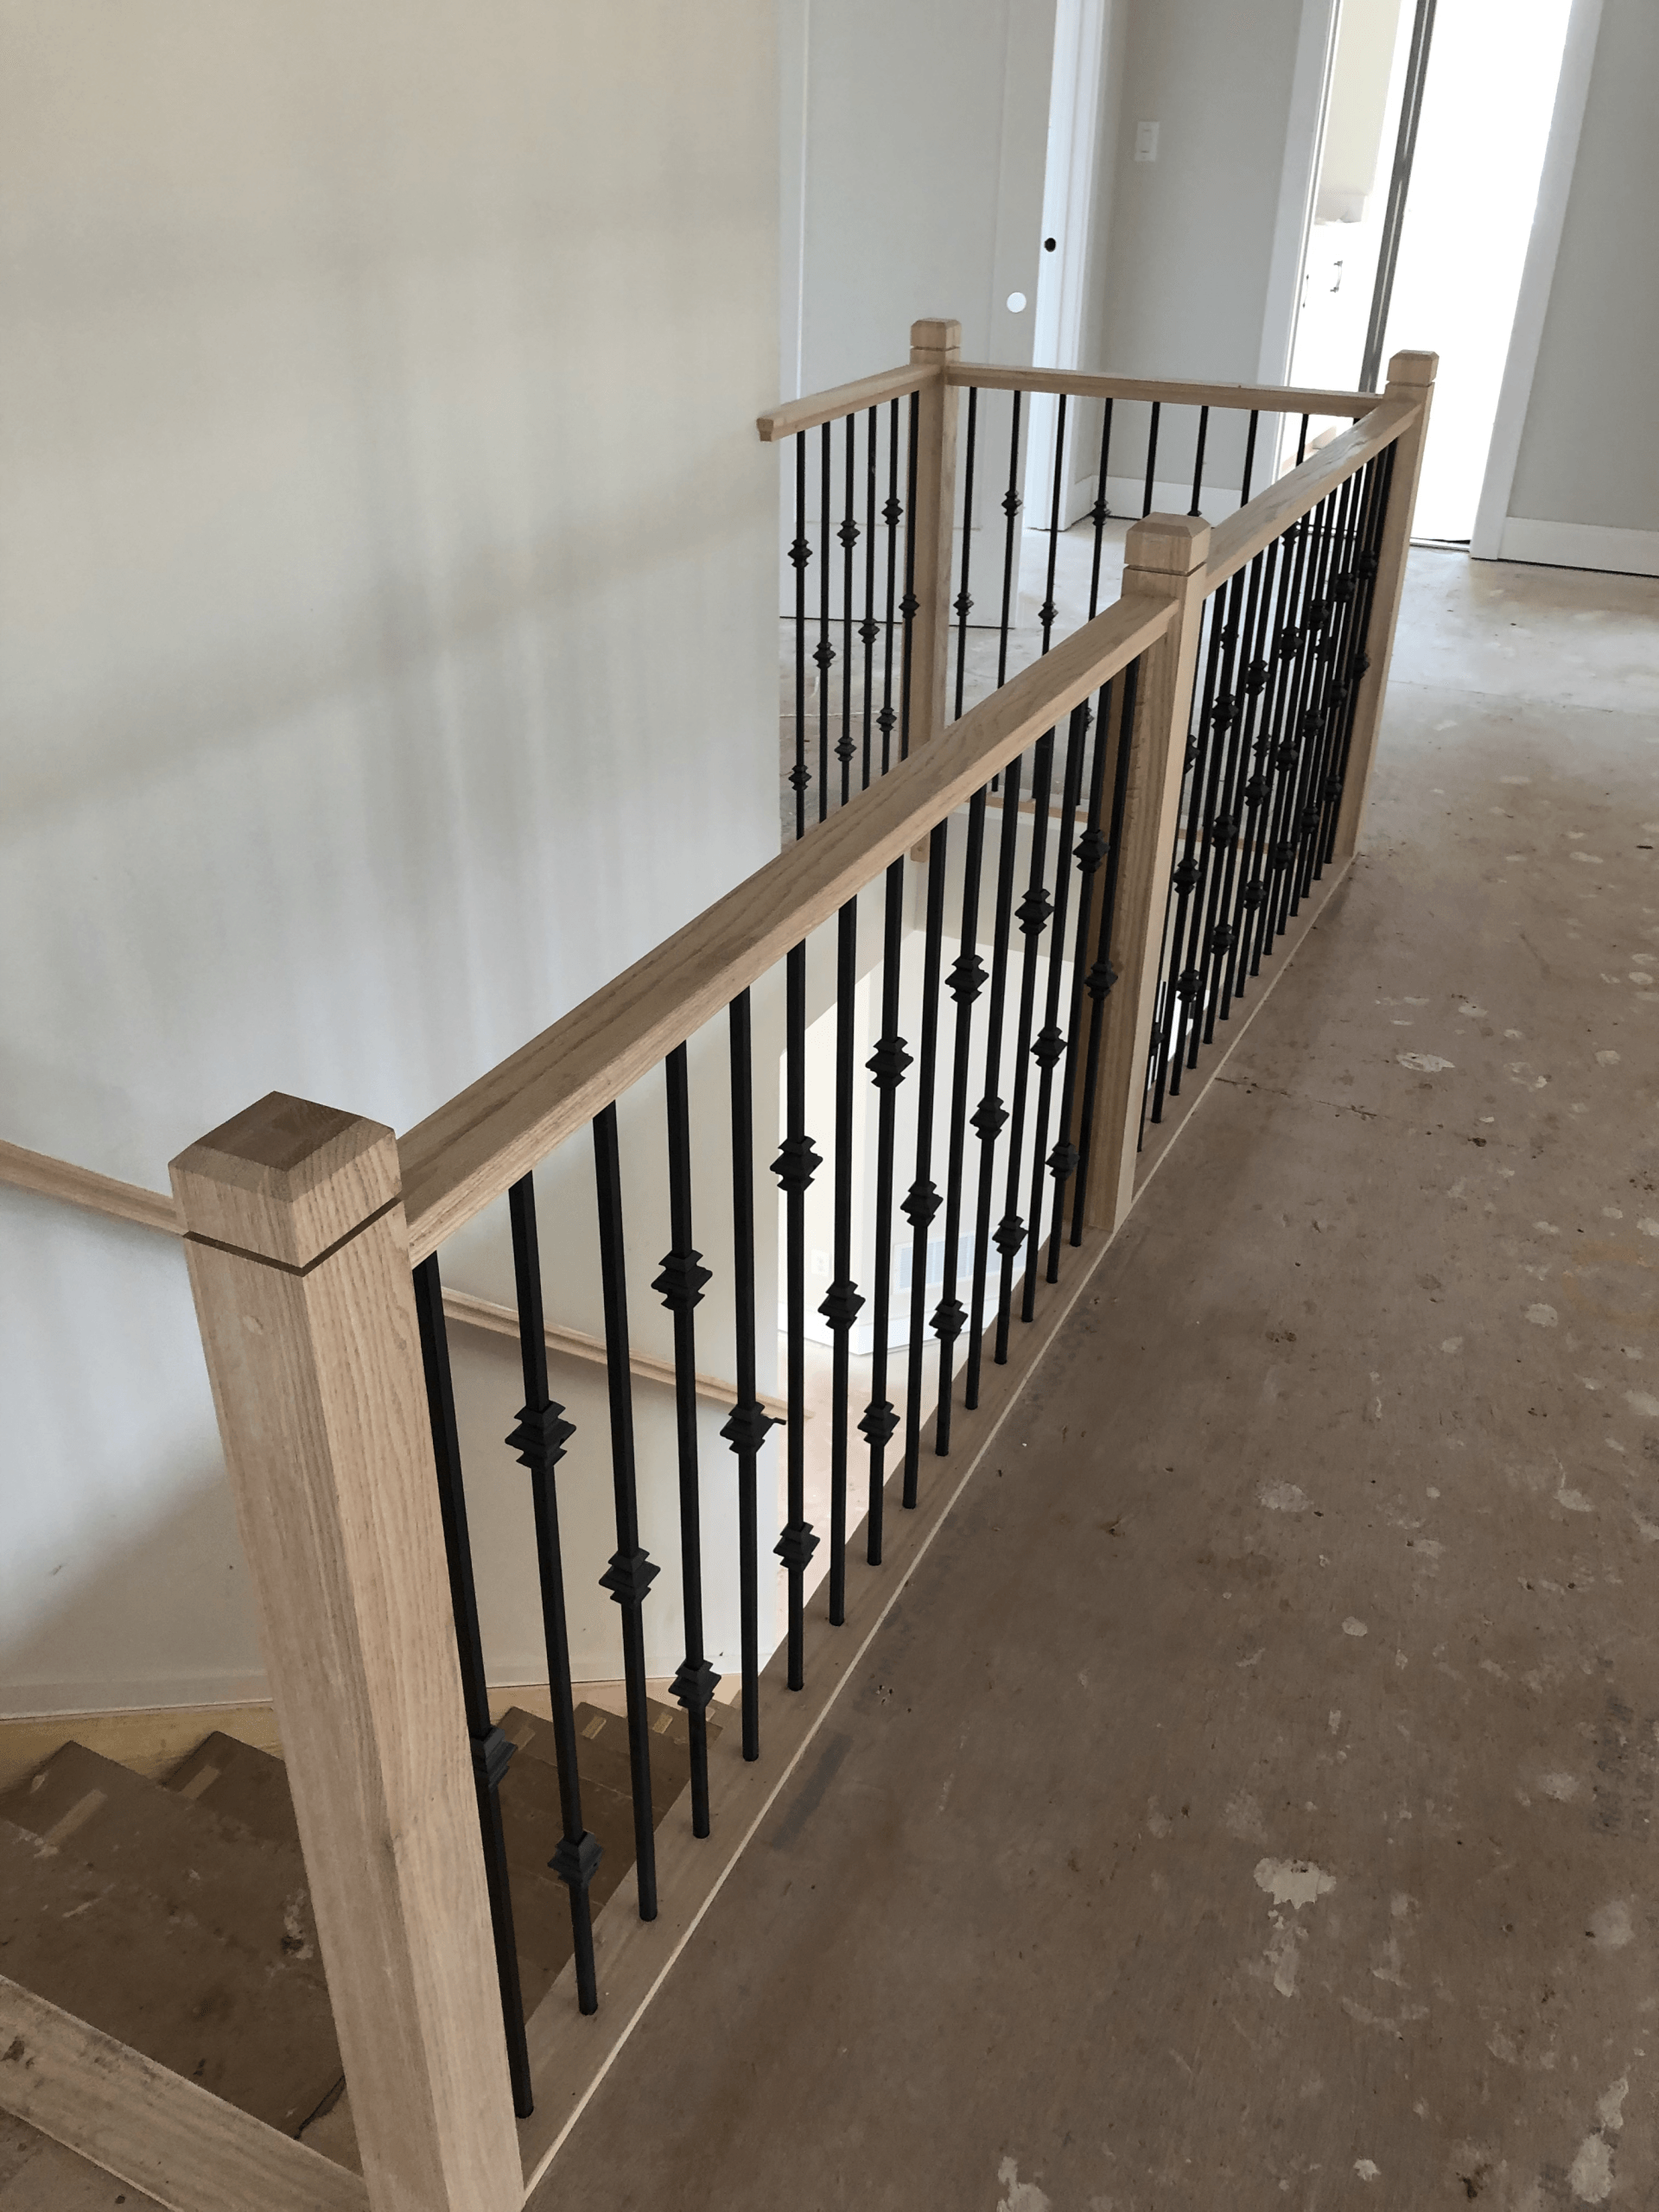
(935,339)
(1414,369)
(1167,545)
(286,1180)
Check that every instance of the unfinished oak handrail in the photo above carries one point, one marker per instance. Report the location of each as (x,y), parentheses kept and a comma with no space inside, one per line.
(1172,392)
(470,1150)
(1241,536)
(789,415)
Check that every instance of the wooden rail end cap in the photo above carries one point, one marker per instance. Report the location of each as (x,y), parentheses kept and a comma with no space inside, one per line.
(286,1180)
(936,338)
(1415,370)
(1166,545)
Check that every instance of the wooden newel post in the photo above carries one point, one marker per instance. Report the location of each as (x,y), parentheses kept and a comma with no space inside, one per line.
(1164,558)
(299,1263)
(1411,376)
(932,523)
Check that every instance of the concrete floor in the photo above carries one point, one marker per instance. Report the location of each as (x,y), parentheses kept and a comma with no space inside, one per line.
(1250,1802)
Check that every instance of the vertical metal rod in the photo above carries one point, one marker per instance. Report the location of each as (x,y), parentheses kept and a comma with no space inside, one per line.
(490,1749)
(1046,613)
(1090,851)
(886,1066)
(1250,789)
(824,652)
(846,751)
(680,1288)
(1049,1045)
(910,606)
(631,1573)
(1103,974)
(800,553)
(964,603)
(1152,456)
(922,1200)
(1011,505)
(1099,511)
(893,514)
(746,1430)
(990,1115)
(842,1304)
(795,1167)
(869,629)
(1249,459)
(1032,914)
(1179,979)
(966,980)
(1302,442)
(1197,465)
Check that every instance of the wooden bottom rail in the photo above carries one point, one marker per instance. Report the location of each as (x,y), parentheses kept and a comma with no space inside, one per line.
(148,2126)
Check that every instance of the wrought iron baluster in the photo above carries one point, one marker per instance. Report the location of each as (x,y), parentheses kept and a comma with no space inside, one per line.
(1048,1046)
(680,1288)
(886,1066)
(991,1116)
(909,606)
(1033,915)
(1358,657)
(1257,736)
(824,652)
(893,514)
(1152,457)
(746,1429)
(1186,967)
(964,983)
(490,1749)
(869,629)
(795,1167)
(1047,611)
(1289,752)
(962,604)
(1180,981)
(1347,598)
(1249,459)
(631,1572)
(1321,635)
(846,750)
(1275,751)
(1215,942)
(1100,511)
(1011,505)
(844,1303)
(1102,974)
(1301,442)
(1090,850)
(922,1200)
(800,553)
(1198,464)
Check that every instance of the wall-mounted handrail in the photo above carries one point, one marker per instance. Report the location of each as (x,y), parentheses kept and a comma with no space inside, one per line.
(472,1149)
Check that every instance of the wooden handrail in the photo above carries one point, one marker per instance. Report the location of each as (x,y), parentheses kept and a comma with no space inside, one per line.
(104,1194)
(1172,391)
(792,414)
(1243,535)
(468,1152)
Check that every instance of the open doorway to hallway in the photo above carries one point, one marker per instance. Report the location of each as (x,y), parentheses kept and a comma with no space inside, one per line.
(1436,124)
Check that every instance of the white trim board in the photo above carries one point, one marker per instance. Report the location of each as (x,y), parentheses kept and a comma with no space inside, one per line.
(1577,545)
(1489,538)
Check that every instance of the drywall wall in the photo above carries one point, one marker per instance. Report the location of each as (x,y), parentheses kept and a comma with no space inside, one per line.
(914,139)
(386,563)
(1585,486)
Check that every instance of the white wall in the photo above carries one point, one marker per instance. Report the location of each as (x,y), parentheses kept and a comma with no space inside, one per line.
(386,567)
(1585,490)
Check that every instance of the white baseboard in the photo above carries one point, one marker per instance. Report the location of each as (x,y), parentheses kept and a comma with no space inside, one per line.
(1580,545)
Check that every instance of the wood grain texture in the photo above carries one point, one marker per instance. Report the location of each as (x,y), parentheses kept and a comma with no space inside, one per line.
(1272,512)
(1411,378)
(285,1179)
(570,2056)
(933,345)
(468,1152)
(81,1187)
(1165,564)
(1265,398)
(188,2149)
(501,1320)
(321,1406)
(792,415)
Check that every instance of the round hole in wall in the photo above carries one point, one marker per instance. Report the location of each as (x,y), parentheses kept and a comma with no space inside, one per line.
(1049,245)
(1016,303)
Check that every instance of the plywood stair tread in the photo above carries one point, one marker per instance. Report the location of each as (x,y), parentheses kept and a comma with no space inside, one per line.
(240,1783)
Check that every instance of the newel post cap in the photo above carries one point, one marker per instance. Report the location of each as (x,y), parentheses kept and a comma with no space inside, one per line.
(286,1180)
(1166,545)
(935,339)
(1413,369)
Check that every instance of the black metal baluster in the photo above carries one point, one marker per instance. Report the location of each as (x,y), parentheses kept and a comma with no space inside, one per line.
(1033,915)
(1100,511)
(1358,657)
(1222,827)
(1197,465)
(922,1200)
(965,982)
(1301,442)
(1294,734)
(800,553)
(846,750)
(1101,975)
(1249,459)
(1049,1045)
(1011,505)
(795,1167)
(1180,983)
(631,1572)
(991,1116)
(893,514)
(1089,852)
(1321,634)
(962,604)
(1186,955)
(824,652)
(1258,791)
(869,629)
(1244,589)
(1152,456)
(843,1303)
(1047,611)
(909,605)
(490,1749)
(1342,601)
(886,1066)
(539,1440)
(746,1429)
(1274,747)
(680,1288)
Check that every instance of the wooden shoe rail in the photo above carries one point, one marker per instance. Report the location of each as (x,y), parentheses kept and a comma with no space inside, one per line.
(1020,862)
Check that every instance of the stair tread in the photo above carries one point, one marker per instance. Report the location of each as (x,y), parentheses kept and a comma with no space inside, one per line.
(240,1783)
(602,1755)
(254,2028)
(244,1887)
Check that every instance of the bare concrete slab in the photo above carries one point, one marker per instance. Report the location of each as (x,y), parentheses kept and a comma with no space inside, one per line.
(1251,1803)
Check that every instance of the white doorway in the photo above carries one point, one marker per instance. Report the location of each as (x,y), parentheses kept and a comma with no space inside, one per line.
(1488,92)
